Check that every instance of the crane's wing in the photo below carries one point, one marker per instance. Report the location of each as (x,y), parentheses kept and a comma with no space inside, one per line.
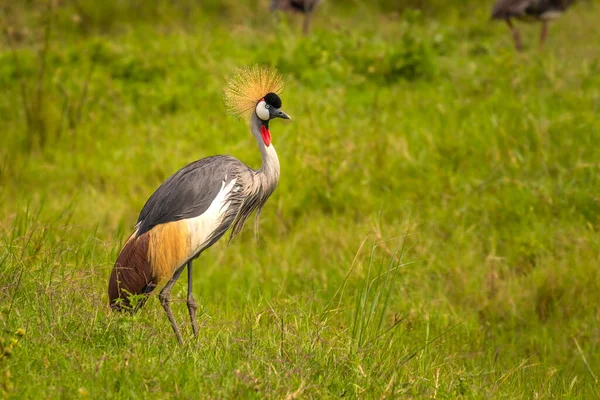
(189,192)
(510,8)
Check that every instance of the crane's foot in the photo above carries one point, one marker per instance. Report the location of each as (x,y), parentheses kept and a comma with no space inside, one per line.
(543,33)
(306,24)
(192,307)
(515,34)
(191,302)
(165,300)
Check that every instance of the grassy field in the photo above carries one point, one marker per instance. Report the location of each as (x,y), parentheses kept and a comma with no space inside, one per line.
(434,233)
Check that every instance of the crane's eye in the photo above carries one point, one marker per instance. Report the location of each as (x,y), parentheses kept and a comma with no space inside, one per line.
(267,106)
(262,111)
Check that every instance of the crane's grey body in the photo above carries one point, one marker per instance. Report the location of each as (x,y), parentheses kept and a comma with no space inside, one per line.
(294,5)
(191,191)
(529,10)
(305,7)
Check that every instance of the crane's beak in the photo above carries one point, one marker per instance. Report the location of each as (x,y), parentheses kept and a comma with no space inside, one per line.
(277,113)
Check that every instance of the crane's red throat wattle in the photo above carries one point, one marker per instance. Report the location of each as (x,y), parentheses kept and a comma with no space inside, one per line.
(266,135)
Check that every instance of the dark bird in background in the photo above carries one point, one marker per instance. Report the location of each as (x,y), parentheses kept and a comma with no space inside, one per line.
(194,208)
(305,7)
(529,10)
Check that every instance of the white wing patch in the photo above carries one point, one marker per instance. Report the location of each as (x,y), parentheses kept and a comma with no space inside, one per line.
(203,225)
(550,15)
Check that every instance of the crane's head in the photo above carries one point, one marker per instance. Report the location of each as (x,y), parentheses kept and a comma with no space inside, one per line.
(255,90)
(254,93)
(269,107)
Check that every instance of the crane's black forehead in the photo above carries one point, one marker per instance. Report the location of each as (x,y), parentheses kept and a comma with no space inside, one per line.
(273,100)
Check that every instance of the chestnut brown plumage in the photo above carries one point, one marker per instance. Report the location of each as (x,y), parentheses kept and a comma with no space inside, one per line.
(131,275)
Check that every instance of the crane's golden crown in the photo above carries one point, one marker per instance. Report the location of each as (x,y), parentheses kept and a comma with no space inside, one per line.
(250,85)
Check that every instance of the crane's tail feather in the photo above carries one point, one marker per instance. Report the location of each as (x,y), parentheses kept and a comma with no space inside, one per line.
(132,277)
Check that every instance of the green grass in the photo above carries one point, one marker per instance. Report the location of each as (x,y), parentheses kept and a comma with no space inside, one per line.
(434,233)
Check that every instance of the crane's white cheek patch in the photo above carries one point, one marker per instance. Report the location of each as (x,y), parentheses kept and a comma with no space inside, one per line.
(203,225)
(261,110)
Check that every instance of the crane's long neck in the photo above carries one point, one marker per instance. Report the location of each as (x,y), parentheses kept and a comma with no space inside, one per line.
(269,171)
(263,183)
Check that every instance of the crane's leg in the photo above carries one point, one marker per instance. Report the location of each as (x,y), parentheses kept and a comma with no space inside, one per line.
(191,302)
(515,33)
(165,300)
(306,25)
(544,33)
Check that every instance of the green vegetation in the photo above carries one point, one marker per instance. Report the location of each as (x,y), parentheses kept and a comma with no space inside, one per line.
(434,234)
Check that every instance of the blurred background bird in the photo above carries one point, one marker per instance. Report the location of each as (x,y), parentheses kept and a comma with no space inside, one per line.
(305,7)
(194,208)
(529,10)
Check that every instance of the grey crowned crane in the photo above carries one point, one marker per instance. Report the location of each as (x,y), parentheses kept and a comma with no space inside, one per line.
(529,10)
(194,207)
(305,7)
